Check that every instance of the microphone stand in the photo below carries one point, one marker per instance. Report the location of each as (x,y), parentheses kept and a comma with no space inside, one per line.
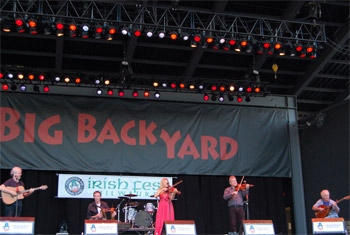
(247,206)
(16,205)
(118,209)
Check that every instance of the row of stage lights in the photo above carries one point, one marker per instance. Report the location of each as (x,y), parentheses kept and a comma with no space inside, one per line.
(40,82)
(204,39)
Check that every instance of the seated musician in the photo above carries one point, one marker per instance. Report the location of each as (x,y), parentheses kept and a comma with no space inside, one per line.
(12,187)
(96,208)
(325,200)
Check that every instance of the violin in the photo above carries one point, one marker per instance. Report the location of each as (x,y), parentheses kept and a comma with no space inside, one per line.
(172,189)
(242,186)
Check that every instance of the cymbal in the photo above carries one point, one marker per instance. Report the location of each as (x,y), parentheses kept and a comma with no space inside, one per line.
(136,204)
(130,195)
(123,197)
(152,195)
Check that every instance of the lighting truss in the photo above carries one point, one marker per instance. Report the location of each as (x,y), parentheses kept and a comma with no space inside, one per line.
(159,17)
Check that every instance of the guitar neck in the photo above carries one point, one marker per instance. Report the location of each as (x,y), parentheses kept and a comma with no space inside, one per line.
(27,190)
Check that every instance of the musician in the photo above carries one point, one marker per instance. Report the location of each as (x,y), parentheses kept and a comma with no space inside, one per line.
(95,208)
(234,194)
(325,200)
(14,209)
(165,208)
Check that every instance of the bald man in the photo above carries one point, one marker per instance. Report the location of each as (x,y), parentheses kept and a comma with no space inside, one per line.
(14,209)
(325,200)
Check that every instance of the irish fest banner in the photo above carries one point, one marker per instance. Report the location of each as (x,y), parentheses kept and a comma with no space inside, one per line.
(47,132)
(110,186)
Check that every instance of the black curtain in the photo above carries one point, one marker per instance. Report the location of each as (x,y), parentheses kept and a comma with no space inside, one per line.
(201,200)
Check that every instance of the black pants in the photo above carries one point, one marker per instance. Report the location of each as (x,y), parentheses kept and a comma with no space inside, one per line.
(10,210)
(236,216)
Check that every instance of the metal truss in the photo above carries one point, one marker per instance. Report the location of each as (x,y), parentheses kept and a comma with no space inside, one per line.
(159,17)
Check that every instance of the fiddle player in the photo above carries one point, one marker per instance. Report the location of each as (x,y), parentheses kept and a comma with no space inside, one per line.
(325,200)
(234,194)
(95,208)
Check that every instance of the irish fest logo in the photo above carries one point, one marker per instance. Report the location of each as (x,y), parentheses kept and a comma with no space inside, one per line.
(6,227)
(74,186)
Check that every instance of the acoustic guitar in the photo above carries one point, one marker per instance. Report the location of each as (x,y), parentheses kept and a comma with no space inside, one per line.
(325,212)
(8,199)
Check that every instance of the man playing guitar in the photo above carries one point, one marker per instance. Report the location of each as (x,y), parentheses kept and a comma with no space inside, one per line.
(325,207)
(14,209)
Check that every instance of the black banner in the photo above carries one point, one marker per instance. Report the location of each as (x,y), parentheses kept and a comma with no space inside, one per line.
(50,132)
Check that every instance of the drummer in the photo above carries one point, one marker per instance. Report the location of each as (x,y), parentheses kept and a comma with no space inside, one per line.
(95,208)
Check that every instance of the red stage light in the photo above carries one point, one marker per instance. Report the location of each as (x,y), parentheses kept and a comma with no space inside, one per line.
(46,88)
(121,93)
(249,89)
(5,87)
(299,48)
(213,88)
(239,99)
(59,26)
(257,89)
(41,77)
(206,97)
(32,24)
(31,76)
(173,85)
(244,43)
(1,75)
(222,88)
(173,36)
(210,40)
(232,42)
(99,30)
(278,46)
(309,49)
(135,94)
(110,92)
(146,94)
(197,38)
(266,45)
(182,85)
(19,22)
(77,80)
(72,27)
(137,33)
(112,31)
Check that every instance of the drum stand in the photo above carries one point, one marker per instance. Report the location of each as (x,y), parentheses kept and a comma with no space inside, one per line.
(118,209)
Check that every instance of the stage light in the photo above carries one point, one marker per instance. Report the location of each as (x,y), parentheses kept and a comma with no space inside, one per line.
(313,55)
(240,89)
(193,44)
(111,29)
(20,76)
(46,88)
(23,87)
(109,37)
(232,41)
(206,97)
(247,98)
(197,37)
(57,79)
(32,26)
(164,84)
(85,30)
(124,30)
(135,93)
(191,87)
(173,85)
(238,48)
(213,88)
(66,79)
(59,28)
(99,91)
(216,46)
(271,51)
(244,43)
(137,31)
(155,84)
(257,89)
(222,40)
(278,46)
(201,86)
(149,33)
(5,87)
(107,82)
(77,80)
(41,77)
(6,25)
(185,36)
(282,52)
(121,92)
(19,24)
(110,92)
(146,94)
(249,49)
(221,98)
(302,54)
(226,46)
(249,89)
(10,75)
(173,35)
(182,85)
(210,39)
(230,97)
(97,81)
(239,99)
(98,31)
(232,88)
(72,29)
(30,76)
(161,34)
(1,75)
(266,44)
(298,47)
(260,49)
(157,95)
(222,88)
(309,49)
(214,97)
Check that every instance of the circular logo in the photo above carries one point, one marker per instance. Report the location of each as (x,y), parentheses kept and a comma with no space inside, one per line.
(74,186)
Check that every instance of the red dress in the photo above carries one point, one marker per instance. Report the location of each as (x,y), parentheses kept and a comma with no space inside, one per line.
(163,212)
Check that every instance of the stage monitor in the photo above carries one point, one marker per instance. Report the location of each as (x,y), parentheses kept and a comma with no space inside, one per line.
(328,226)
(17,225)
(258,227)
(182,227)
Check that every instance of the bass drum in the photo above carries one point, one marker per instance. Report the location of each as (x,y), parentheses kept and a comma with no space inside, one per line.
(143,219)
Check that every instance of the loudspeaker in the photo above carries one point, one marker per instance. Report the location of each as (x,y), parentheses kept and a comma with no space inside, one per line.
(180,227)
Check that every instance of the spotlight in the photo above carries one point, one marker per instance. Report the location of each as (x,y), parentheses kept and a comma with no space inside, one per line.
(120,92)
(97,81)
(46,88)
(282,52)
(240,89)
(232,88)
(260,49)
(99,91)
(20,76)
(30,76)
(137,31)
(249,49)
(238,48)
(157,95)
(222,88)
(244,43)
(271,51)
(135,93)
(98,31)
(313,55)
(109,37)
(173,85)
(111,30)
(232,42)
(6,26)
(213,88)
(57,79)
(149,33)
(32,26)
(124,30)
(182,85)
(249,89)
(85,30)
(173,35)
(72,29)
(59,28)
(210,39)
(197,38)
(278,46)
(10,75)
(19,24)
(77,80)
(185,36)
(221,98)
(110,92)
(146,94)
(239,99)
(107,82)
(309,49)
(155,84)
(298,47)
(164,84)
(193,44)
(222,40)
(257,89)
(201,86)
(161,34)
(66,79)
(266,44)
(302,54)
(206,97)
(5,87)
(191,86)
(23,87)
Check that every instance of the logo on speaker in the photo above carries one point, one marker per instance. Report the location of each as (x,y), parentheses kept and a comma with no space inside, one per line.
(320,226)
(93,228)
(6,227)
(74,186)
(173,229)
(252,229)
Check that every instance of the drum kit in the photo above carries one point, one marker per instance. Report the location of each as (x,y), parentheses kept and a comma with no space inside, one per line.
(138,214)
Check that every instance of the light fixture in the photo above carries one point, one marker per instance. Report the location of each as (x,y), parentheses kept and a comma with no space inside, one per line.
(72,29)
(46,88)
(146,93)
(23,87)
(206,97)
(185,36)
(85,30)
(121,92)
(149,33)
(32,23)
(197,38)
(157,95)
(226,46)
(239,98)
(19,24)
(193,44)
(98,31)
(135,93)
(124,30)
(5,87)
(161,34)
(110,91)
(238,48)
(221,98)
(137,31)
(99,91)
(173,35)
(216,46)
